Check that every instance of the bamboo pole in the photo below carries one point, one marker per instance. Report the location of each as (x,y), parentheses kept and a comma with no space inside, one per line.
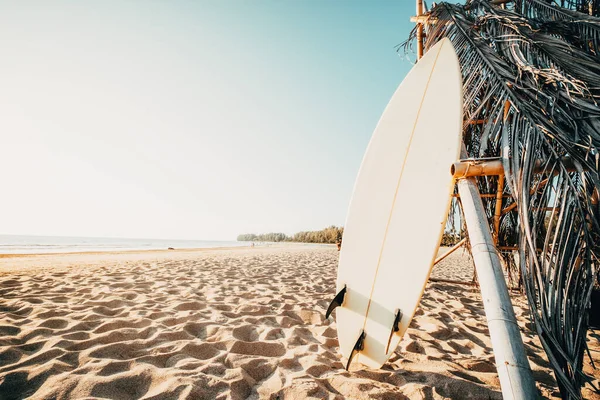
(455,282)
(514,372)
(465,169)
(500,188)
(509,208)
(423,19)
(419,30)
(450,251)
(485,195)
(483,167)
(498,213)
(440,280)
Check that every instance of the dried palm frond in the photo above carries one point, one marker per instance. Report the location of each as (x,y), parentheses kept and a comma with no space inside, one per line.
(534,97)
(591,7)
(579,29)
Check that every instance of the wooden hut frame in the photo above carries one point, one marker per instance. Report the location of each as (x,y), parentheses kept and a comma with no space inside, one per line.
(514,372)
(531,75)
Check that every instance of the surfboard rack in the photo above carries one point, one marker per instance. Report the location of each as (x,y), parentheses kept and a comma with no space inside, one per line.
(358,346)
(337,301)
(395,328)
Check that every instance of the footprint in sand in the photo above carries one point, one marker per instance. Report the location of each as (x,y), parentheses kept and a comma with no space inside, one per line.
(273,334)
(9,330)
(54,323)
(10,356)
(195,329)
(203,351)
(263,349)
(115,367)
(246,333)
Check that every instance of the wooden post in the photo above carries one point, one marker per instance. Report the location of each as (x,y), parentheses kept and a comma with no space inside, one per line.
(498,212)
(514,372)
(500,188)
(419,30)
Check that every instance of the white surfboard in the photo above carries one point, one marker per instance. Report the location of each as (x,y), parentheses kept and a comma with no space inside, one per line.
(398,209)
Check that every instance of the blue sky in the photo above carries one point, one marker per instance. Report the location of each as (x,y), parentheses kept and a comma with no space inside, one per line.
(190,120)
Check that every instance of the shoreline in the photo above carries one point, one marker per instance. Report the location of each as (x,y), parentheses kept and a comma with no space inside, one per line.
(173,250)
(33,262)
(132,251)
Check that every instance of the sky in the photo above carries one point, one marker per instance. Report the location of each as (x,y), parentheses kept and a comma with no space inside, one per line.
(190,119)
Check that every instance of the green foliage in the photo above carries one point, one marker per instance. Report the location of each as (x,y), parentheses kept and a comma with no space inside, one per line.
(332,234)
(450,239)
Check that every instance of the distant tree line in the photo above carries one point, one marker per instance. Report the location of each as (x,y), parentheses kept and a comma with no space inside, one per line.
(264,237)
(332,234)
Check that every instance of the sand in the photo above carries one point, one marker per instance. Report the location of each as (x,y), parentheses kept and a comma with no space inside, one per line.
(234,323)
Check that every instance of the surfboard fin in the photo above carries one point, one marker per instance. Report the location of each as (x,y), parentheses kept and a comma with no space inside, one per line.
(359,346)
(395,328)
(337,301)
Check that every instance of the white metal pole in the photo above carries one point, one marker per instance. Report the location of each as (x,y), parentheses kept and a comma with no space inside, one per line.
(513,367)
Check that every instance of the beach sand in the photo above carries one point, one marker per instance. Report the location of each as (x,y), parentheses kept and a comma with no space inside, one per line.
(233,323)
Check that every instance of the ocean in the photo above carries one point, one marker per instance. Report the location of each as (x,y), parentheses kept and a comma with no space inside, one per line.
(20,244)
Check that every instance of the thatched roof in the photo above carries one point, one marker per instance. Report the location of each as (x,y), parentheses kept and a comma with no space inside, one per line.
(531,74)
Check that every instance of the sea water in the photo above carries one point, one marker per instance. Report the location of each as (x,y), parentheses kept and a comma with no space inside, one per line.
(17,244)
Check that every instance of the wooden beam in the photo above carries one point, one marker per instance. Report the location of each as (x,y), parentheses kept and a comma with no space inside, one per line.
(419,30)
(469,168)
(422,19)
(455,282)
(486,195)
(477,121)
(450,251)
(440,280)
(514,205)
(465,169)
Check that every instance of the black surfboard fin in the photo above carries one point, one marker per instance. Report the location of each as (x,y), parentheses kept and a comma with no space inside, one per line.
(395,328)
(358,346)
(337,301)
